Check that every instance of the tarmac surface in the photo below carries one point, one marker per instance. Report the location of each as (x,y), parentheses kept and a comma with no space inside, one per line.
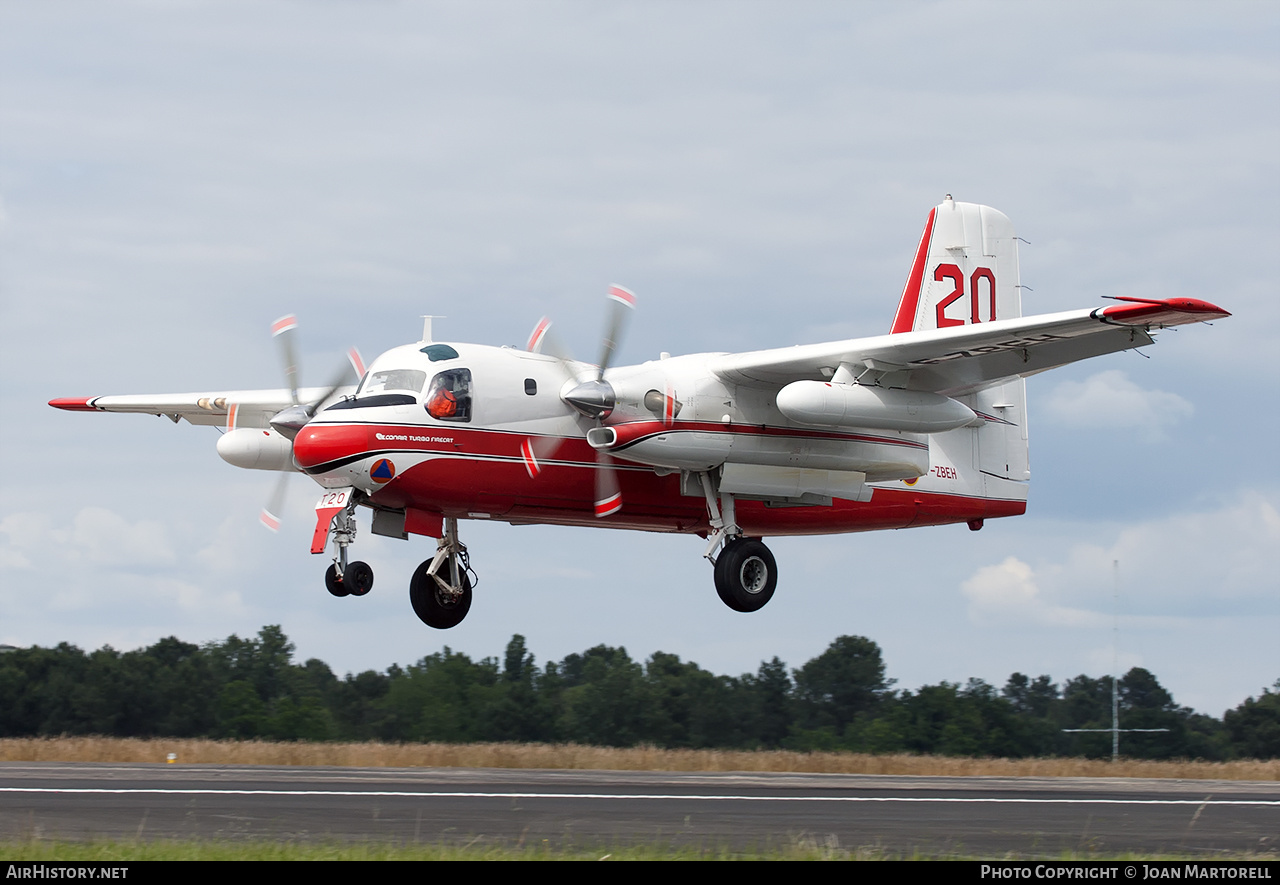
(972,816)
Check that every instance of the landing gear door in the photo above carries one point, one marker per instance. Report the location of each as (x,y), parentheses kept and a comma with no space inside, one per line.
(330,505)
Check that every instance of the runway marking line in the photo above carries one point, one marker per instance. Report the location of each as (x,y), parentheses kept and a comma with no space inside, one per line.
(379,794)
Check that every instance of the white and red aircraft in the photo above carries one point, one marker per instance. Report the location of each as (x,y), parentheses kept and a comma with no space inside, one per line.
(924,426)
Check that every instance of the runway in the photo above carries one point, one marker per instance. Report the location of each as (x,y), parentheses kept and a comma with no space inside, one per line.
(979,816)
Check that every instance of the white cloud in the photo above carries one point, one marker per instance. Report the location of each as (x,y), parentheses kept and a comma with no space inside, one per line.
(1209,564)
(1109,399)
(1008,593)
(102,537)
(96,536)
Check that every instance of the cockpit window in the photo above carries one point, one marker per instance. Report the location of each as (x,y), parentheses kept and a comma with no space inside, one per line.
(377,399)
(393,379)
(438,352)
(449,398)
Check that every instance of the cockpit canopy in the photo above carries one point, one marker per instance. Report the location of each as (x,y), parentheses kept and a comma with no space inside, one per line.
(410,380)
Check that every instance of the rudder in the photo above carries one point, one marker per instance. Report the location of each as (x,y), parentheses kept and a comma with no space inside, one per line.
(965,270)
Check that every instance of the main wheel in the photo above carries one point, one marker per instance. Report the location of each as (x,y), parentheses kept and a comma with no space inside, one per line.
(746,574)
(722,582)
(433,606)
(335,584)
(358,578)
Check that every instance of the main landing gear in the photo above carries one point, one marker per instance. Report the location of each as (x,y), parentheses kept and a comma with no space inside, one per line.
(746,573)
(440,589)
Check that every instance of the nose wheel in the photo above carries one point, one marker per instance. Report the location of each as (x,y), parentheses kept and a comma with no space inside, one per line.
(355,580)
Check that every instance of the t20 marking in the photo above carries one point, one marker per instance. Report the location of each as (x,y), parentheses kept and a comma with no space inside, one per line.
(333,499)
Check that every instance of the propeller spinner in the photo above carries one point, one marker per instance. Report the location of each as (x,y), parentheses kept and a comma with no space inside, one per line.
(289,422)
(593,399)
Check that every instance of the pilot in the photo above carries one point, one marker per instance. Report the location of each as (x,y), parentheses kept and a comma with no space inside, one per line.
(442,404)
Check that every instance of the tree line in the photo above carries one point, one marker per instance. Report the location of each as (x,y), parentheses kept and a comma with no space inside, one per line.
(841,699)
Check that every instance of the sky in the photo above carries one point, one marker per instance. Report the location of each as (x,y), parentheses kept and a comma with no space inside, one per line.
(174,176)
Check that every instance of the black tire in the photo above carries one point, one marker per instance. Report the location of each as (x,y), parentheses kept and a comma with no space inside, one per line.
(358,578)
(722,582)
(433,606)
(333,583)
(746,574)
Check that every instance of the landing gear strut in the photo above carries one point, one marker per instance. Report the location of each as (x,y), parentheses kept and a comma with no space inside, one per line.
(343,578)
(746,573)
(440,589)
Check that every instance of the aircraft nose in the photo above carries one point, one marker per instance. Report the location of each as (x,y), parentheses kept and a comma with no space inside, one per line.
(317,445)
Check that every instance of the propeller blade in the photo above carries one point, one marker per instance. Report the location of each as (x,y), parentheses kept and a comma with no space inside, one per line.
(544,340)
(531,465)
(608,494)
(270,515)
(285,330)
(537,449)
(357,362)
(621,303)
(341,378)
(537,335)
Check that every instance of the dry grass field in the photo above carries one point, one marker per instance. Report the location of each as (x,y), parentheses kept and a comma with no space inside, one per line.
(571,756)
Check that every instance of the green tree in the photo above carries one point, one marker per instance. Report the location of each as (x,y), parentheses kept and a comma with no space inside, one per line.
(1254,726)
(844,681)
(769,696)
(605,699)
(518,712)
(442,698)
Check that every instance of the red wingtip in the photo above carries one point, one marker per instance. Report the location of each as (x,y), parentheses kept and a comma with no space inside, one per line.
(1167,311)
(74,403)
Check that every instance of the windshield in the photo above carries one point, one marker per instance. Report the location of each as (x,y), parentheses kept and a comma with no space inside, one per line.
(393,379)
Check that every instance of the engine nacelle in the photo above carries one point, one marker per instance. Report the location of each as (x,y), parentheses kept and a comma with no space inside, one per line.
(828,404)
(256,449)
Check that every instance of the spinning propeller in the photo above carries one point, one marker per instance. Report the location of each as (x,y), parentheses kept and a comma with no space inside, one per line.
(289,422)
(593,398)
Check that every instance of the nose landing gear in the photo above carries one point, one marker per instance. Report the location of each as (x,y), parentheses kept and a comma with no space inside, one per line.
(336,517)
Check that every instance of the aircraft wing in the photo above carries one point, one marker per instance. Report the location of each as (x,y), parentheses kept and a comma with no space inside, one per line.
(962,359)
(252,408)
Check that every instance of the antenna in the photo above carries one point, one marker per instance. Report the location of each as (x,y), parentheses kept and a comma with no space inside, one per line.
(1115,660)
(1115,728)
(426,327)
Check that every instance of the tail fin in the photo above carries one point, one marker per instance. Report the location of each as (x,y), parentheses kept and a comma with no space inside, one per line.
(965,270)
